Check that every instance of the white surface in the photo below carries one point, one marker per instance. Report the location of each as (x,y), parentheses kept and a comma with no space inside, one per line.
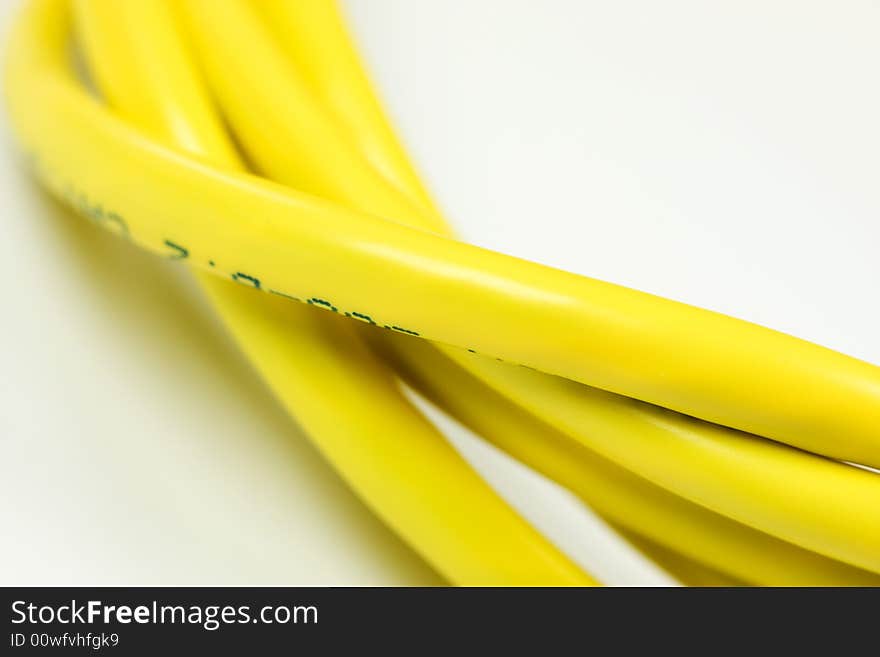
(725,154)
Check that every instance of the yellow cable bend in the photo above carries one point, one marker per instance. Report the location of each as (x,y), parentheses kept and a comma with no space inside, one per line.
(345,399)
(263,67)
(695,361)
(625,499)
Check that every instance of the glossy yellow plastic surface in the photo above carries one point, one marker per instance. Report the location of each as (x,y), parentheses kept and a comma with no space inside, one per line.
(315,363)
(623,498)
(824,505)
(685,570)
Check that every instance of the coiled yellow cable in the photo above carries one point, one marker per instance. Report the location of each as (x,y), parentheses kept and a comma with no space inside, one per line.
(315,125)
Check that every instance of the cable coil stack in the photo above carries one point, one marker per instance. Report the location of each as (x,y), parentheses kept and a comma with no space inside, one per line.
(717,445)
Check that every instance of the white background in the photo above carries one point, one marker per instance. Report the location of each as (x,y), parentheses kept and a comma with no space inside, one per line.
(726,154)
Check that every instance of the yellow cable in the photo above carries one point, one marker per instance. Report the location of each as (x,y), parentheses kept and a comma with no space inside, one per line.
(314,38)
(314,35)
(623,498)
(614,426)
(379,271)
(685,570)
(313,362)
(330,67)
(695,361)
(817,503)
